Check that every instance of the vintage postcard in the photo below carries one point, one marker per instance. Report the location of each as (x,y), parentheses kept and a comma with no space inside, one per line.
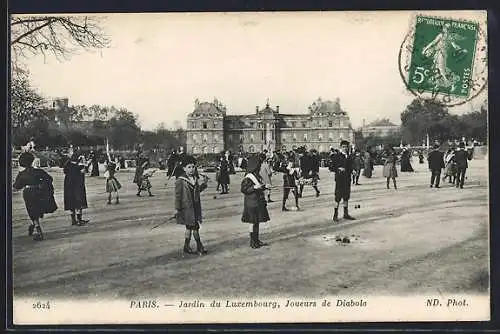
(284,167)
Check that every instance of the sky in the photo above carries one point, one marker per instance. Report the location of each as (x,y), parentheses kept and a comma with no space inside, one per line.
(158,64)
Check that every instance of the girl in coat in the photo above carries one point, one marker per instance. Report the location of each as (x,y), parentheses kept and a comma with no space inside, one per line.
(38,193)
(188,203)
(254,204)
(112,183)
(143,173)
(75,194)
(390,171)
(357,164)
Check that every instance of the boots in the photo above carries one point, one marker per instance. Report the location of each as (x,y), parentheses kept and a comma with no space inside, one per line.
(31,228)
(199,248)
(346,214)
(73,219)
(187,249)
(336,215)
(257,240)
(38,236)
(253,242)
(81,221)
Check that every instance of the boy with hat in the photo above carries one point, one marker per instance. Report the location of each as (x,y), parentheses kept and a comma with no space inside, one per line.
(38,193)
(188,203)
(341,165)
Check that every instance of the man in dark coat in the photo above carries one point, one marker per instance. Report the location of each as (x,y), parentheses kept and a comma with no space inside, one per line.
(461,157)
(341,165)
(75,194)
(171,163)
(436,163)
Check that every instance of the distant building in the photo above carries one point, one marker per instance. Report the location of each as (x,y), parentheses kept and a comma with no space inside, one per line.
(380,127)
(210,129)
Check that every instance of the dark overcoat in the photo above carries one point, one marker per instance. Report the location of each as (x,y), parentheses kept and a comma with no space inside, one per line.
(461,157)
(75,194)
(436,160)
(224,172)
(38,192)
(254,203)
(342,177)
(187,200)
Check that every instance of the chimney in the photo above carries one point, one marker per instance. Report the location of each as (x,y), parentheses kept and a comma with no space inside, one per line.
(277,108)
(257,108)
(364,122)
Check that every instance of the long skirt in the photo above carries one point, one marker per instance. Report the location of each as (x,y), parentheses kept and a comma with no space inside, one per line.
(112,185)
(255,215)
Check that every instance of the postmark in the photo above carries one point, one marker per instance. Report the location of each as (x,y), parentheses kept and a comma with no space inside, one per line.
(444,60)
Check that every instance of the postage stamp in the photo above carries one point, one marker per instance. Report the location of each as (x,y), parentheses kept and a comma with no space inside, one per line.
(444,59)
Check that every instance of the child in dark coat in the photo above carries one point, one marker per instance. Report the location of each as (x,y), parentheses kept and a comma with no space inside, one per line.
(38,193)
(254,204)
(75,193)
(188,203)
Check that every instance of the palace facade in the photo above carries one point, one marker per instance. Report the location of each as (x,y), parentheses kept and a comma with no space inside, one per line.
(211,130)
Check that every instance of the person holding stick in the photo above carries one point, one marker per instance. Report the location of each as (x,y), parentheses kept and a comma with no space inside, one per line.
(188,203)
(341,165)
(254,204)
(290,179)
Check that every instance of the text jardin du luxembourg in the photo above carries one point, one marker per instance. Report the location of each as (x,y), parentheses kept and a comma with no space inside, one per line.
(289,303)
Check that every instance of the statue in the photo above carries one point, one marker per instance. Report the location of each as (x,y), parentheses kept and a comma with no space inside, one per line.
(196,103)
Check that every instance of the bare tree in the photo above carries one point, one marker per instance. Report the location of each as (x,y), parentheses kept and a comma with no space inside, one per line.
(61,36)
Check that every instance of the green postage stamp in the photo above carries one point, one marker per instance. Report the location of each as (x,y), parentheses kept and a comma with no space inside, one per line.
(445,59)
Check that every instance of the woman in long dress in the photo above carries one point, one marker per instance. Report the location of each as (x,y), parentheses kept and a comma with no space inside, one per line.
(405,161)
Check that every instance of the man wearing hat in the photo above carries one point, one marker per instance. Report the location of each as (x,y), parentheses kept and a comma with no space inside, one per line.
(341,165)
(461,157)
(436,163)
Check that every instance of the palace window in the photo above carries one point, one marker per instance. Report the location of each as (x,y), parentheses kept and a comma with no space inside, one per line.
(205,150)
(204,125)
(293,124)
(304,124)
(294,137)
(205,138)
(320,136)
(330,124)
(330,136)
(216,138)
(230,137)
(241,138)
(251,149)
(283,138)
(251,138)
(262,135)
(195,138)
(214,150)
(283,147)
(305,136)
(195,150)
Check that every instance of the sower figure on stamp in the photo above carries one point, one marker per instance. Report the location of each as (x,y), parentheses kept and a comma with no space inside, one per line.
(38,193)
(188,203)
(341,164)
(75,194)
(436,163)
(254,204)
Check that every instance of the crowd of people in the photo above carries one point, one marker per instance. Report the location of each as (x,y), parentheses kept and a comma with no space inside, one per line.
(299,168)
